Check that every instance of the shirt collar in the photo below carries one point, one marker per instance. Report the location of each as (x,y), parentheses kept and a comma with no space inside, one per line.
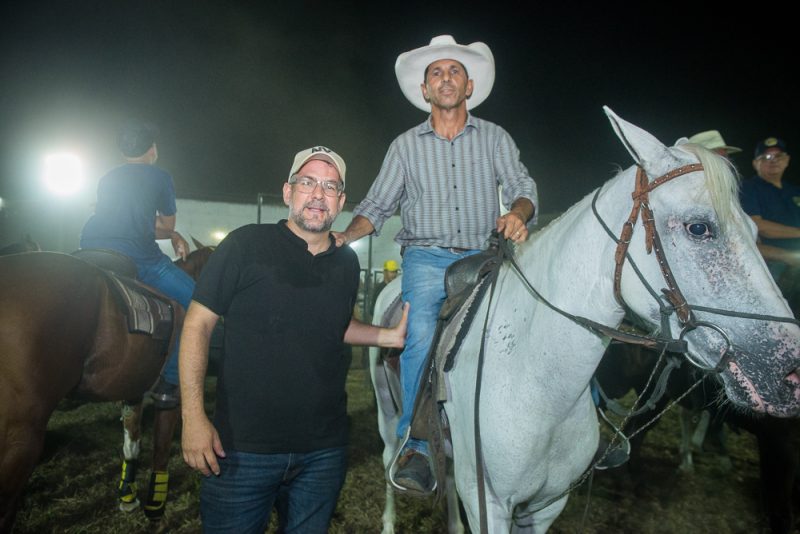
(300,243)
(427,126)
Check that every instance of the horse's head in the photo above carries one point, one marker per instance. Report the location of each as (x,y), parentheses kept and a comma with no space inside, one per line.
(709,271)
(195,261)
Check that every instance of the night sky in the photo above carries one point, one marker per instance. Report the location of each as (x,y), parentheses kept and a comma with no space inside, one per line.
(237,88)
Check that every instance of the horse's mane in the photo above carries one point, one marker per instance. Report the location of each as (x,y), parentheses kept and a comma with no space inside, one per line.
(722,181)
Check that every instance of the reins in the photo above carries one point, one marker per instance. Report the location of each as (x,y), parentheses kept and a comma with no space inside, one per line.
(675,303)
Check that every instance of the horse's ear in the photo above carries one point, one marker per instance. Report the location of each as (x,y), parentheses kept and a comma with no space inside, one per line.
(648,152)
(197,244)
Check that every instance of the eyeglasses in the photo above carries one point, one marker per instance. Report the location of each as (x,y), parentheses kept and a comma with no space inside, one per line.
(774,156)
(306,184)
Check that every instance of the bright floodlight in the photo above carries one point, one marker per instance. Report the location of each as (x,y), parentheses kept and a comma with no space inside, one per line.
(63,174)
(219,235)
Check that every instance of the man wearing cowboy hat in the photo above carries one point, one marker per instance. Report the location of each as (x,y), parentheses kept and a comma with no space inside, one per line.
(712,140)
(443,174)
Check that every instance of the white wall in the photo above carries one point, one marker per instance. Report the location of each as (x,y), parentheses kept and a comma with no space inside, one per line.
(203,220)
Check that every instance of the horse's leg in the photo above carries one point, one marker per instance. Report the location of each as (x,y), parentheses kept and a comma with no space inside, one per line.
(685,449)
(777,451)
(164,430)
(387,422)
(718,436)
(454,523)
(537,523)
(22,444)
(131,424)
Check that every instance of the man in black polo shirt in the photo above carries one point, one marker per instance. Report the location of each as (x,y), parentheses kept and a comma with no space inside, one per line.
(280,428)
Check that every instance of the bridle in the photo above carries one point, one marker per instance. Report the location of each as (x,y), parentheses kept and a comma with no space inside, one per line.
(673,301)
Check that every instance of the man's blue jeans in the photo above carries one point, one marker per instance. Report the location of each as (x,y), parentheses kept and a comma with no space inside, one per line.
(168,278)
(304,487)
(423,287)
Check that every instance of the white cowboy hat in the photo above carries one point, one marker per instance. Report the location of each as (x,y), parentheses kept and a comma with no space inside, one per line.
(712,140)
(476,58)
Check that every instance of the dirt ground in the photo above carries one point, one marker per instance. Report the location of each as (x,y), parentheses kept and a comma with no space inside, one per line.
(73,490)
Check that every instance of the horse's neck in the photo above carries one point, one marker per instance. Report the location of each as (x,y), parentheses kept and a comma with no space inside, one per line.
(572,259)
(571,264)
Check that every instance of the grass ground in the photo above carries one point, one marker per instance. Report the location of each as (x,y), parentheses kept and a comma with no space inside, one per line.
(73,490)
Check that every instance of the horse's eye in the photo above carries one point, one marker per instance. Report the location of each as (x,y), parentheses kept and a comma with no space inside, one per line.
(699,230)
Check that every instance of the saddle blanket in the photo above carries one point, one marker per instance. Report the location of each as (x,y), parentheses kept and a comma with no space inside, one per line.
(147,313)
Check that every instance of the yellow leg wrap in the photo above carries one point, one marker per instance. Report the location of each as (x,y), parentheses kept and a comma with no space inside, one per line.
(126,491)
(157,495)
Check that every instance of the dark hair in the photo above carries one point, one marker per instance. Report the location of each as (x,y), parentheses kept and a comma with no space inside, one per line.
(135,137)
(425,74)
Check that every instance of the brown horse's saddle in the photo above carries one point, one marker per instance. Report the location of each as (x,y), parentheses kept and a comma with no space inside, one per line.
(147,311)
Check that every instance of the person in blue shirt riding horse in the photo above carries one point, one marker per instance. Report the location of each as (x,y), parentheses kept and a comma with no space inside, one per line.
(135,207)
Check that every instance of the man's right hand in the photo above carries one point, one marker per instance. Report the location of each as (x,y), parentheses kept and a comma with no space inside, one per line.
(358,228)
(340,237)
(201,445)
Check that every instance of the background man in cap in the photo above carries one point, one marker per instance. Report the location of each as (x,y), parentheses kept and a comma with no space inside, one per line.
(280,429)
(390,271)
(135,206)
(774,205)
(443,174)
(712,140)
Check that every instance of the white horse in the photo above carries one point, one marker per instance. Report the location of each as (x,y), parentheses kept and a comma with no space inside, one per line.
(386,384)
(537,425)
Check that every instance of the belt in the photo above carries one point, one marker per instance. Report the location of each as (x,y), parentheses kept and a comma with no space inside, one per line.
(452,250)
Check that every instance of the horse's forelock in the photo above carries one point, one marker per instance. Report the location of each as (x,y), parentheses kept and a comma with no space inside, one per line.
(722,182)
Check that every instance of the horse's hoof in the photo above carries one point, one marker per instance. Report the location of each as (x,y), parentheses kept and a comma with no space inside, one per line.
(156,502)
(129,506)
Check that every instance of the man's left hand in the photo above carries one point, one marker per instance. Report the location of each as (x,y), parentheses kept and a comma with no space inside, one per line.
(180,245)
(512,226)
(395,337)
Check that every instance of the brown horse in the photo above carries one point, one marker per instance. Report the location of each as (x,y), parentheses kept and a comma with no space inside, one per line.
(62,333)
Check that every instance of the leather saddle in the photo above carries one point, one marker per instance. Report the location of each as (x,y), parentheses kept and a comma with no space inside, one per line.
(147,311)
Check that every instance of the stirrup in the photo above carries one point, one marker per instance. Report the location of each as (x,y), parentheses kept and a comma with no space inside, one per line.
(156,502)
(126,491)
(613,456)
(391,469)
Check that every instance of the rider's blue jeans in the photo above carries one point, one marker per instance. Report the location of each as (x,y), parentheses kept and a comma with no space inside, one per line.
(423,288)
(304,487)
(167,278)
